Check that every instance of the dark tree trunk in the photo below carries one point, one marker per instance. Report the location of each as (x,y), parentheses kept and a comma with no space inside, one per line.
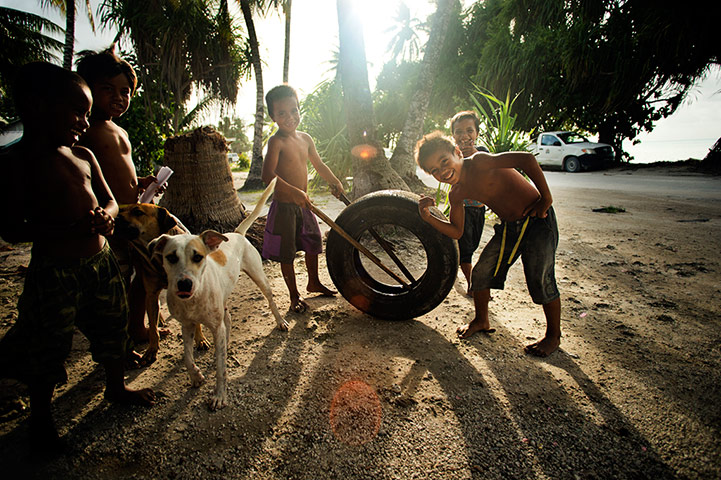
(286,56)
(371,169)
(69,34)
(254,181)
(402,159)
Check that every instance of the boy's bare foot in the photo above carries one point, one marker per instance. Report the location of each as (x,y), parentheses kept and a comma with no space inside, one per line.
(473,327)
(544,347)
(322,289)
(298,305)
(144,396)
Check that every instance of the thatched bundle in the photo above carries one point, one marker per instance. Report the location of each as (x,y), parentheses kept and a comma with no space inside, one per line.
(201,191)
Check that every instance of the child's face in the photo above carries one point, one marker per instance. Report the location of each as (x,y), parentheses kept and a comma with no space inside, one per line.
(286,114)
(68,118)
(111,96)
(465,133)
(444,165)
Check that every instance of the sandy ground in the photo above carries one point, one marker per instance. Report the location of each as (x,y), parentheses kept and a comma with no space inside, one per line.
(632,393)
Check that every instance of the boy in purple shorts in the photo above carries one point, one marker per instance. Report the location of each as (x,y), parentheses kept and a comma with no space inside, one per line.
(291,226)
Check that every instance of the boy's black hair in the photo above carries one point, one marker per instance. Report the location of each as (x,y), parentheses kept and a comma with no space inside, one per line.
(96,66)
(42,80)
(276,93)
(431,143)
(464,115)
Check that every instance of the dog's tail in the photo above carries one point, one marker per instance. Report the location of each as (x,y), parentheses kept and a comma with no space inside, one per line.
(248,221)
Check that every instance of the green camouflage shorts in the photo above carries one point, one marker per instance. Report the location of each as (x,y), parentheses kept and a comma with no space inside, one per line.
(59,295)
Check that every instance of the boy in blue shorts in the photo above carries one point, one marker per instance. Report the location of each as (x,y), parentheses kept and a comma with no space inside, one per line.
(465,129)
(59,201)
(528,229)
(291,226)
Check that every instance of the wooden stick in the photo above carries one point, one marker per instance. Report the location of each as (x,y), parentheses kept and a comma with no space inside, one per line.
(357,245)
(382,242)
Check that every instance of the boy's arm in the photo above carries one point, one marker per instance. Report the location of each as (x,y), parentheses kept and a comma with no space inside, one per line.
(527,163)
(452,228)
(336,187)
(268,173)
(103,215)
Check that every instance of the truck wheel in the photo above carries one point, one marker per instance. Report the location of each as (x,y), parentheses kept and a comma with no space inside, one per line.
(572,165)
(430,257)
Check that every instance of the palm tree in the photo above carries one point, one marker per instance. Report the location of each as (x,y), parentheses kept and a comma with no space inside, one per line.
(22,41)
(254,182)
(402,158)
(67,8)
(405,42)
(371,170)
(181,46)
(286,56)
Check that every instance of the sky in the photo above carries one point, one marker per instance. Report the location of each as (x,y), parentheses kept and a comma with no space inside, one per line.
(689,133)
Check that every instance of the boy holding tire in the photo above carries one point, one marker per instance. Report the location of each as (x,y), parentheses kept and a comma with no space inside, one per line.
(527,230)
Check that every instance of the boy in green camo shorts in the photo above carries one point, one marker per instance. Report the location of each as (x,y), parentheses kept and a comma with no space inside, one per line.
(65,208)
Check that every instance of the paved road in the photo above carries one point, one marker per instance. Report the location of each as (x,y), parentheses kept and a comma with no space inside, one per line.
(689,186)
(682,185)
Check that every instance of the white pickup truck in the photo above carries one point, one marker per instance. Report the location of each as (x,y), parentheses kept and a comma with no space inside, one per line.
(570,151)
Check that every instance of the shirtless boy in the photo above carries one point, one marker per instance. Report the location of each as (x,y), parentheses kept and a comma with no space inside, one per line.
(59,201)
(291,226)
(528,229)
(465,129)
(112,82)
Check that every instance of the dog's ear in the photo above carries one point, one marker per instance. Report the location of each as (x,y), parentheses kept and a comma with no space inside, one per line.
(213,239)
(165,220)
(156,247)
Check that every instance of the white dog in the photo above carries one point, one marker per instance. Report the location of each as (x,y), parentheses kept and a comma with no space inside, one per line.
(202,271)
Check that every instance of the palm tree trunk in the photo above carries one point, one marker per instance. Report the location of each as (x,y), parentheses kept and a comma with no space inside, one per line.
(254,181)
(371,172)
(286,57)
(69,34)
(402,159)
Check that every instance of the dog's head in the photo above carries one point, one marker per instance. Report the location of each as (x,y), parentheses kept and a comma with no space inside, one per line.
(144,221)
(184,259)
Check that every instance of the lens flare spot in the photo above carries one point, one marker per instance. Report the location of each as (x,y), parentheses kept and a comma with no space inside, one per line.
(364,151)
(355,413)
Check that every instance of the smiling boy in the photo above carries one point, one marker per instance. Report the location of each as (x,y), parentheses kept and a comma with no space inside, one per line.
(112,82)
(65,208)
(528,229)
(291,226)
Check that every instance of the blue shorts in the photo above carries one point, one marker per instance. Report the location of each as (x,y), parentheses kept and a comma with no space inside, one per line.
(475,218)
(290,228)
(537,250)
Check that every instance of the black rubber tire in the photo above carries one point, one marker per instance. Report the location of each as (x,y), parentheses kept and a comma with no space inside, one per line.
(385,300)
(572,165)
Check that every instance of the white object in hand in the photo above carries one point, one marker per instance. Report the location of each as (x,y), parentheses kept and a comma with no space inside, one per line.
(163,175)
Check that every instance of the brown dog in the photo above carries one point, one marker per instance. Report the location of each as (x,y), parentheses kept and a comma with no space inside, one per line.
(139,224)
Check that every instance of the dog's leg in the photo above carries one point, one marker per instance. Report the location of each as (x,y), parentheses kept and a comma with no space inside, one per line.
(220,397)
(196,378)
(152,296)
(201,343)
(254,269)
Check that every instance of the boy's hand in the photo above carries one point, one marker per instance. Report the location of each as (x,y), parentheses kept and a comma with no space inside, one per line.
(423,206)
(145,182)
(101,222)
(336,189)
(467,150)
(539,208)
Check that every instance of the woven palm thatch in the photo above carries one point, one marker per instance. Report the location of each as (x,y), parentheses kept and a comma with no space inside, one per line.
(200,192)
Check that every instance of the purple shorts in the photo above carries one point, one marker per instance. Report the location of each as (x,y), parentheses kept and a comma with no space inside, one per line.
(290,228)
